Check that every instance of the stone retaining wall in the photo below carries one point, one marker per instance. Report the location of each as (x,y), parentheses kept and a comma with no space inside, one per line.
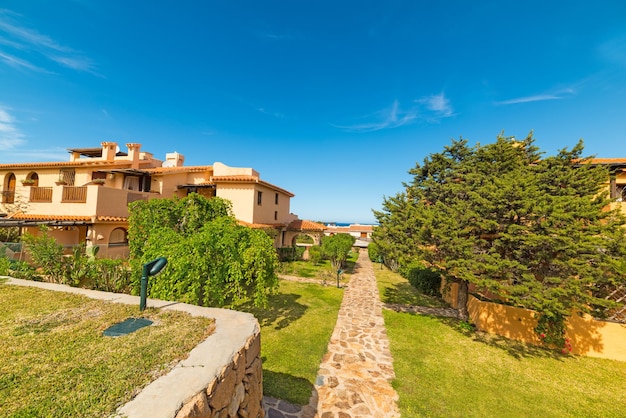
(236,392)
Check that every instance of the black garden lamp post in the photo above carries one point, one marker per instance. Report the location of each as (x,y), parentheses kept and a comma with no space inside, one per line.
(152,268)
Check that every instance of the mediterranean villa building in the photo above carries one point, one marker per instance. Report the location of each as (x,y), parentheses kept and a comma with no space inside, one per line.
(85,199)
(617,181)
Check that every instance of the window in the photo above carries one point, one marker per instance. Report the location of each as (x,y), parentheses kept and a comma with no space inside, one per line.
(67,176)
(33,179)
(98,175)
(131,183)
(259,197)
(275,215)
(118,236)
(620,192)
(276,199)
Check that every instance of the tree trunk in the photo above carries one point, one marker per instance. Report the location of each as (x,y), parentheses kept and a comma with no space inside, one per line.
(462,301)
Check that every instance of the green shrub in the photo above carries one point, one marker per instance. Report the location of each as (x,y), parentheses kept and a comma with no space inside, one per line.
(286,253)
(5,264)
(111,276)
(423,279)
(47,254)
(23,270)
(373,251)
(219,264)
(315,254)
(290,253)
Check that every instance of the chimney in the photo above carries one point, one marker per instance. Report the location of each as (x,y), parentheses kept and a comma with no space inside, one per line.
(108,150)
(133,154)
(174,159)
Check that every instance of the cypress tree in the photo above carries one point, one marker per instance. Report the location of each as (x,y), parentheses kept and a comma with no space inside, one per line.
(535,232)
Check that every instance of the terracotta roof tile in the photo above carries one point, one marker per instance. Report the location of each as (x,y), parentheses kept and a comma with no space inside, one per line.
(361,228)
(304,225)
(36,217)
(607,161)
(249,179)
(78,163)
(112,219)
(350,228)
(28,216)
(260,226)
(188,169)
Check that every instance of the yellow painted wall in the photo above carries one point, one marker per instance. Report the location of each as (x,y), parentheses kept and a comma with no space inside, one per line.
(243,198)
(588,336)
(264,213)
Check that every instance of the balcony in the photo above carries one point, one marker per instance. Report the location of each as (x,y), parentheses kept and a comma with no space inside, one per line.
(41,194)
(74,194)
(86,201)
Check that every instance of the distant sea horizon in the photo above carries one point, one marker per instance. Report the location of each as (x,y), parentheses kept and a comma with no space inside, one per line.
(349,223)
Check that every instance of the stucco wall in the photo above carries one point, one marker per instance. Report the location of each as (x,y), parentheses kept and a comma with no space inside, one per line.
(243,198)
(264,213)
(588,336)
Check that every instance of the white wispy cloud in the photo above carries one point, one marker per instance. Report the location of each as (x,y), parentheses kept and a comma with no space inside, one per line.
(10,135)
(43,154)
(430,109)
(439,104)
(392,117)
(19,63)
(267,112)
(22,41)
(558,95)
(277,36)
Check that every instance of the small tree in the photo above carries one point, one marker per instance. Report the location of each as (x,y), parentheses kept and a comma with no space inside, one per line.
(337,248)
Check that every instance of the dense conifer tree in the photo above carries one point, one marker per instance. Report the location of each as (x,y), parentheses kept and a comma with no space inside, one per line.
(536,232)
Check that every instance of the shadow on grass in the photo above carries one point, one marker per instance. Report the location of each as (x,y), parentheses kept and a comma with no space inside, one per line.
(295,390)
(348,266)
(282,309)
(405,294)
(515,349)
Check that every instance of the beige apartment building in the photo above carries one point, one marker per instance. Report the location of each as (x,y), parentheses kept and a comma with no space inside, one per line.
(86,198)
(617,180)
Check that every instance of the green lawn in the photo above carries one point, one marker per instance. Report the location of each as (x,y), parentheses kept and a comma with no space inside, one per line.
(322,270)
(443,370)
(295,330)
(394,288)
(54,361)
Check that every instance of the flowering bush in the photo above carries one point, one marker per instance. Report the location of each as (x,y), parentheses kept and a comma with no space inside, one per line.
(551,331)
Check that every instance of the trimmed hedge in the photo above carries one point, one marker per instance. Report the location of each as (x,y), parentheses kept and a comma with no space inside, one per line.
(423,279)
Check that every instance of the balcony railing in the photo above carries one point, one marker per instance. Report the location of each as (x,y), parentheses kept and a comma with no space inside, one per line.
(8,196)
(131,197)
(41,194)
(74,194)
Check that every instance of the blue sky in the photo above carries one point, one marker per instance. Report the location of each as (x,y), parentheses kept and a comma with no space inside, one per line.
(332,100)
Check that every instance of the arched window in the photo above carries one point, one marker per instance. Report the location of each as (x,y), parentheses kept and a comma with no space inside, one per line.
(119,236)
(8,190)
(34,179)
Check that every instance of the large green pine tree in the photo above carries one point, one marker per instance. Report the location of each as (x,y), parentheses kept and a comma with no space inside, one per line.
(533,231)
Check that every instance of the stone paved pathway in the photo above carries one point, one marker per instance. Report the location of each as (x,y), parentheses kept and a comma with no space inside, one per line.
(355,374)
(354,377)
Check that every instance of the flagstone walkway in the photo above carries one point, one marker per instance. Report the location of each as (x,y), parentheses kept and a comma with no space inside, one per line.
(354,377)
